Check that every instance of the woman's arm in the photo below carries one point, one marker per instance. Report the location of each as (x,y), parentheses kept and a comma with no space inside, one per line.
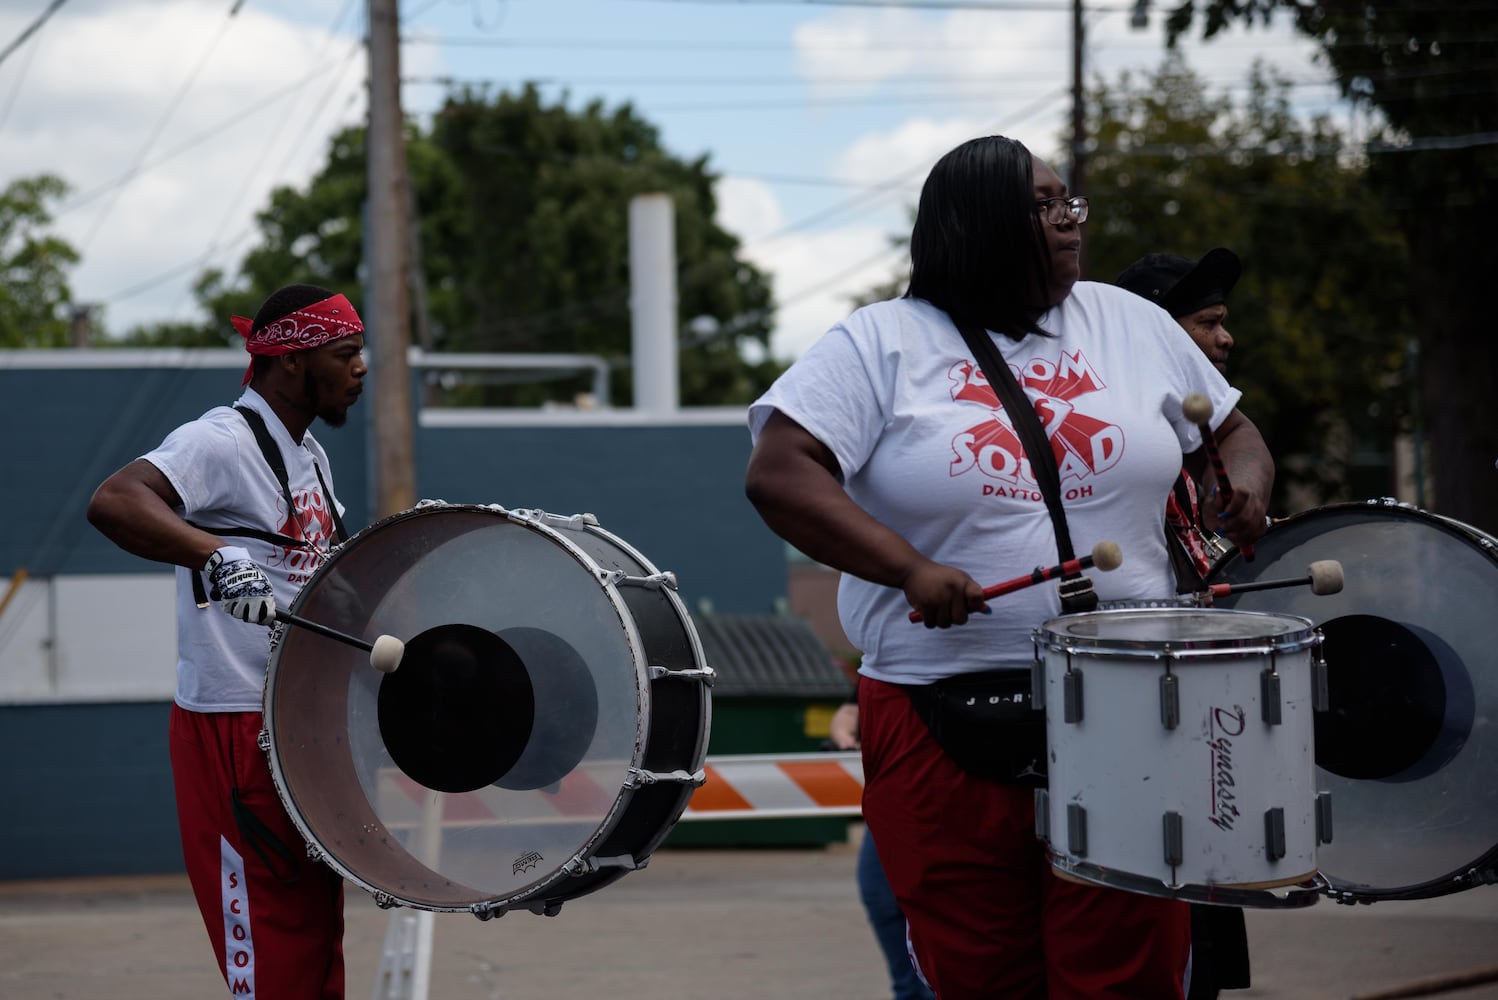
(792,480)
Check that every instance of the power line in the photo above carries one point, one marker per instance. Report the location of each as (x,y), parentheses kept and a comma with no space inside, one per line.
(717,45)
(31,29)
(20,82)
(197,140)
(171,109)
(264,150)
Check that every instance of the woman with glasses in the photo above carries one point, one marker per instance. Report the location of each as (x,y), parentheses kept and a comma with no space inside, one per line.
(885,453)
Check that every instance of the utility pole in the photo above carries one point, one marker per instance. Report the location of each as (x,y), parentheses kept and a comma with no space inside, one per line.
(1078,106)
(1076,183)
(389,304)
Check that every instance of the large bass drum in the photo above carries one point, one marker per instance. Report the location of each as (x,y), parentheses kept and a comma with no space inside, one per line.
(1407,746)
(544,731)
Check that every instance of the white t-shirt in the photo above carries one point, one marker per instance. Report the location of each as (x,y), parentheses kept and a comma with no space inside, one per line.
(217,468)
(926,449)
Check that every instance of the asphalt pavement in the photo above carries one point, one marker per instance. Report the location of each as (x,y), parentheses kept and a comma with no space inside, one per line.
(696,923)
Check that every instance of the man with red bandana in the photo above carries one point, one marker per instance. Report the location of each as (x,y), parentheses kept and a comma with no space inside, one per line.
(211,501)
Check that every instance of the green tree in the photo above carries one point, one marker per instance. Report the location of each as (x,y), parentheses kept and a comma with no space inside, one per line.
(1320,314)
(522,212)
(1428,70)
(34,291)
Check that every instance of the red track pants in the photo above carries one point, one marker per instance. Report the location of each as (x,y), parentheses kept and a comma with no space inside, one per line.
(988,917)
(276,926)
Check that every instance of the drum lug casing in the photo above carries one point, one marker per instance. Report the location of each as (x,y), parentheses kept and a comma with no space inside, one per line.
(638,776)
(705,675)
(1071,692)
(1269,697)
(1170,701)
(1170,828)
(1042,814)
(263,740)
(1037,682)
(1274,833)
(1076,829)
(541,908)
(1321,691)
(587,866)
(1323,817)
(574,522)
(655,581)
(385,901)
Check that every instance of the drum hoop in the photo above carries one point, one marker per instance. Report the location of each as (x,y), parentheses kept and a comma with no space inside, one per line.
(678,605)
(621,800)
(1307,889)
(1253,645)
(1386,507)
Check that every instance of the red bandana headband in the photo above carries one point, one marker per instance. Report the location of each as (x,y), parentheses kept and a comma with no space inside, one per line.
(300,330)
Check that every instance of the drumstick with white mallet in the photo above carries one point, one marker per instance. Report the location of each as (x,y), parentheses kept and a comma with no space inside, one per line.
(1105,556)
(384,653)
(1198,409)
(1323,575)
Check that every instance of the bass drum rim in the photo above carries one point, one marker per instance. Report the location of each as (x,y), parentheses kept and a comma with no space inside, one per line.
(1232,568)
(640,814)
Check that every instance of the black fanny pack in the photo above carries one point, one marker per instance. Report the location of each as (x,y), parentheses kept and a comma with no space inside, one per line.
(988,723)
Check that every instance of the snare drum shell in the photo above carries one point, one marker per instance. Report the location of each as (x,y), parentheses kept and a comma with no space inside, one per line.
(1224,796)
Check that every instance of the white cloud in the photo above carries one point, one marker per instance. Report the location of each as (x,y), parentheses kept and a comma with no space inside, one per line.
(905,153)
(164,119)
(83,97)
(815,276)
(748,208)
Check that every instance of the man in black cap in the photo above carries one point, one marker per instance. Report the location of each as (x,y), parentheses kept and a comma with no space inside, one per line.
(1195,294)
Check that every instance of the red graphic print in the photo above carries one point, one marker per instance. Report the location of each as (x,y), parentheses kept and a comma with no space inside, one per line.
(312,523)
(1084,445)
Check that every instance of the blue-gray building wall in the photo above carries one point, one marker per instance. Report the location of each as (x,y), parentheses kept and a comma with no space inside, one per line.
(86,787)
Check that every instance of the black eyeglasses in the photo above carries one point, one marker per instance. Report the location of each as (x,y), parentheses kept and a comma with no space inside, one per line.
(1057,211)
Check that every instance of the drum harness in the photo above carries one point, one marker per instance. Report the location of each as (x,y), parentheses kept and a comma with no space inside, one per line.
(987,721)
(254,830)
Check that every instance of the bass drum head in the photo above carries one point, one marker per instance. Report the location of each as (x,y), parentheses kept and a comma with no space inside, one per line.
(1407,746)
(500,751)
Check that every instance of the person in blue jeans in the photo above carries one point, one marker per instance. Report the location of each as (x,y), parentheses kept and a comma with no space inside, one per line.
(879,903)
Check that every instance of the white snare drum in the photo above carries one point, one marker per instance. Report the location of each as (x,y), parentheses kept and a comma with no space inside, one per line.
(1182,753)
(544,731)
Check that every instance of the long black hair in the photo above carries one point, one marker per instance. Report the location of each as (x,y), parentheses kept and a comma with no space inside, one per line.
(976,249)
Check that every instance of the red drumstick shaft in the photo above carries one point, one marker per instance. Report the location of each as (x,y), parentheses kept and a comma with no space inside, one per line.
(1038,575)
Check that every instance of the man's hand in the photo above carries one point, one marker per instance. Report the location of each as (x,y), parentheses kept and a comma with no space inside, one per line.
(241,586)
(842,731)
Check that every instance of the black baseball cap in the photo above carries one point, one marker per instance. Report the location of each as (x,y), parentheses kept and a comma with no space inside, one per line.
(1180,285)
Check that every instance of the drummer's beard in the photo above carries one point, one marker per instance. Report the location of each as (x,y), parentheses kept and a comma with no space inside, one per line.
(328,412)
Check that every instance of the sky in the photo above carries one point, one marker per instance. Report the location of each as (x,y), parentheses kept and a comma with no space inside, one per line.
(172,120)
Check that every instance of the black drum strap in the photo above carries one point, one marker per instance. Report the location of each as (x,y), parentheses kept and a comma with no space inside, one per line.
(1076,590)
(277,463)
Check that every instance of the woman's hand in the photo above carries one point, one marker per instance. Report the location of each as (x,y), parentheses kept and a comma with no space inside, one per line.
(944,595)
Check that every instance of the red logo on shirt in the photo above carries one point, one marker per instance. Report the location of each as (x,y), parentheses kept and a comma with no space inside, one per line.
(1083,445)
(312,523)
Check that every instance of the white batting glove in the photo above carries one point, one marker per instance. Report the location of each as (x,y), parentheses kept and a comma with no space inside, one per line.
(241,586)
